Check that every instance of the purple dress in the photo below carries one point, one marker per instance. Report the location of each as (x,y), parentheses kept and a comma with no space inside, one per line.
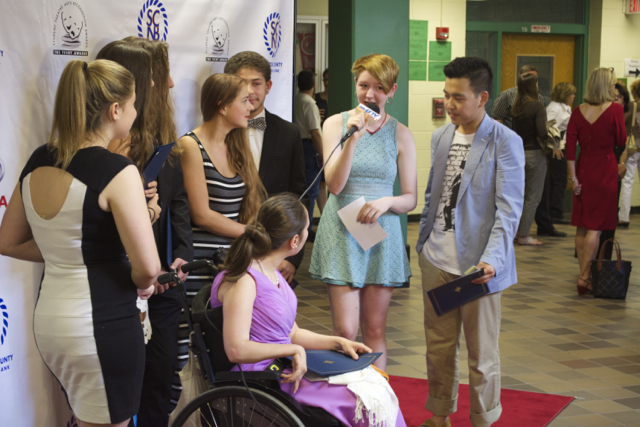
(274,314)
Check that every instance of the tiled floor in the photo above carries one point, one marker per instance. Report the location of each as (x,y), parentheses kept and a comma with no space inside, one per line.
(551,340)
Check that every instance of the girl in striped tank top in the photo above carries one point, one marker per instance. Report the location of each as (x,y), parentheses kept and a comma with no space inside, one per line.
(222,181)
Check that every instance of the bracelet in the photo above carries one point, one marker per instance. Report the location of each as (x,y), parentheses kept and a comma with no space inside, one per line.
(152,214)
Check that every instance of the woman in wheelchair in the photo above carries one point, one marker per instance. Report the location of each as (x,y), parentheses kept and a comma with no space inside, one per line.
(259,311)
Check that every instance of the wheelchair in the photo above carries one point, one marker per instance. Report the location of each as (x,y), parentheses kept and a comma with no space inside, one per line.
(234,398)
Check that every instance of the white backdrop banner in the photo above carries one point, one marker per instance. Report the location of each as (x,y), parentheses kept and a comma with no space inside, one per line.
(37,39)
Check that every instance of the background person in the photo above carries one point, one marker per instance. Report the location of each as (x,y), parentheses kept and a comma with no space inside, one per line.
(631,161)
(307,117)
(360,283)
(174,241)
(530,123)
(274,142)
(477,174)
(259,309)
(559,109)
(503,106)
(81,210)
(597,125)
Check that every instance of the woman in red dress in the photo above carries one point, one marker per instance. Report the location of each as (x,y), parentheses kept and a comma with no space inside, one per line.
(596,125)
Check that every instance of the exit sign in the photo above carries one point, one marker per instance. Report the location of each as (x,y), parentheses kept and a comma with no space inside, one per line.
(632,6)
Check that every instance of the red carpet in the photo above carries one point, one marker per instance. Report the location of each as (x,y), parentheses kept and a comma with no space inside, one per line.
(519,408)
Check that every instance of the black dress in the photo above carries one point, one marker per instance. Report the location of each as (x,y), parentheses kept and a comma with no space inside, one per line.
(86,323)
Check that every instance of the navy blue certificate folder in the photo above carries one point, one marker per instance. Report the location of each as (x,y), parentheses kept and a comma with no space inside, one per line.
(328,362)
(158,158)
(457,293)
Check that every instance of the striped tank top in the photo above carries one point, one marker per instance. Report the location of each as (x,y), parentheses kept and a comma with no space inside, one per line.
(225,197)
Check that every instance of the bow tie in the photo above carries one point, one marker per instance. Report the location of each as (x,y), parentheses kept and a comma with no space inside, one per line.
(260,123)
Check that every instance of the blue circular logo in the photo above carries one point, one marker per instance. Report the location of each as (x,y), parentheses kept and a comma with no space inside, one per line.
(4,314)
(272,33)
(1,170)
(152,15)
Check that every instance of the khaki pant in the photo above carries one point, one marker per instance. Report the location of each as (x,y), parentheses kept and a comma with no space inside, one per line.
(481,322)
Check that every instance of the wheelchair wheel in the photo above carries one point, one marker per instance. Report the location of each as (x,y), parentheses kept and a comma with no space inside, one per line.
(233,406)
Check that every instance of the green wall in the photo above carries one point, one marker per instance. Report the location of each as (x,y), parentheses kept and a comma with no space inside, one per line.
(362,27)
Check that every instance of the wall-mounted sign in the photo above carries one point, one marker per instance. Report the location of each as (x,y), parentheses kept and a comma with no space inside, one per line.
(541,28)
(631,67)
(632,6)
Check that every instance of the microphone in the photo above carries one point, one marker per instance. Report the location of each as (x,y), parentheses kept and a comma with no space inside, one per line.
(371,106)
(371,109)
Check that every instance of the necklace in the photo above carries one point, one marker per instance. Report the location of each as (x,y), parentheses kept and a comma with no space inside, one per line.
(383,120)
(265,273)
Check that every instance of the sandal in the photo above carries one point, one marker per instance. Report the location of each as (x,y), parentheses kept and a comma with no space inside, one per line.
(529,241)
(584,286)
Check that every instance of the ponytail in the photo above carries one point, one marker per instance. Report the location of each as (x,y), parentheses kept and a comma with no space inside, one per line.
(279,219)
(85,93)
(253,243)
(69,112)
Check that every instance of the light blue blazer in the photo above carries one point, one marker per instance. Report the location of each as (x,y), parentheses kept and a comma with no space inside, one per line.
(489,202)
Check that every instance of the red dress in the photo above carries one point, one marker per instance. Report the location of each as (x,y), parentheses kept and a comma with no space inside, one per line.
(597,169)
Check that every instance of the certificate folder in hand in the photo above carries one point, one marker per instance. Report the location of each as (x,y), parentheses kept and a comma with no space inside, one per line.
(156,162)
(327,362)
(457,293)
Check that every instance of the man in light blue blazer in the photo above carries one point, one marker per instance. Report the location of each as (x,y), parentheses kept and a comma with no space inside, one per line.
(473,204)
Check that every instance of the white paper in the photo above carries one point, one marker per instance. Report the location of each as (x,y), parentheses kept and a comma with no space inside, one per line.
(367,235)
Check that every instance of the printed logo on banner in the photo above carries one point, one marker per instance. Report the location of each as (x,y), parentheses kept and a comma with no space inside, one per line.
(217,44)
(153,21)
(5,360)
(3,199)
(70,31)
(272,33)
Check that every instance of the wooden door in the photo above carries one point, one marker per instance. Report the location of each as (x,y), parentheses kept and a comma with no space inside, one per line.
(552,55)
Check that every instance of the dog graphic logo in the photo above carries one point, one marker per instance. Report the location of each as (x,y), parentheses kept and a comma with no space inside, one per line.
(272,33)
(73,25)
(217,44)
(70,31)
(153,21)
(219,36)
(4,315)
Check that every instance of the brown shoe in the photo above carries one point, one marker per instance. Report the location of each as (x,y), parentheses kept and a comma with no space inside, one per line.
(431,423)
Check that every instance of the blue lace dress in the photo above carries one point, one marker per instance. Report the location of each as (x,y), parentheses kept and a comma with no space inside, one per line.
(337,258)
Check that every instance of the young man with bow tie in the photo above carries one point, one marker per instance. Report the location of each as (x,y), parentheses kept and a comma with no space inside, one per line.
(275,143)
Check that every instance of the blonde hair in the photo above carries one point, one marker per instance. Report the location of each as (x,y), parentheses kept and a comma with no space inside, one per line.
(635,89)
(382,68)
(218,91)
(562,91)
(85,92)
(600,86)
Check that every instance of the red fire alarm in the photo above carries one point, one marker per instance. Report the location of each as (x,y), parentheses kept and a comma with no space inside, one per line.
(438,108)
(442,33)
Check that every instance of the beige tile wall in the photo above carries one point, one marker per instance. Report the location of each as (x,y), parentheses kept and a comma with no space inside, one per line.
(618,41)
(439,13)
